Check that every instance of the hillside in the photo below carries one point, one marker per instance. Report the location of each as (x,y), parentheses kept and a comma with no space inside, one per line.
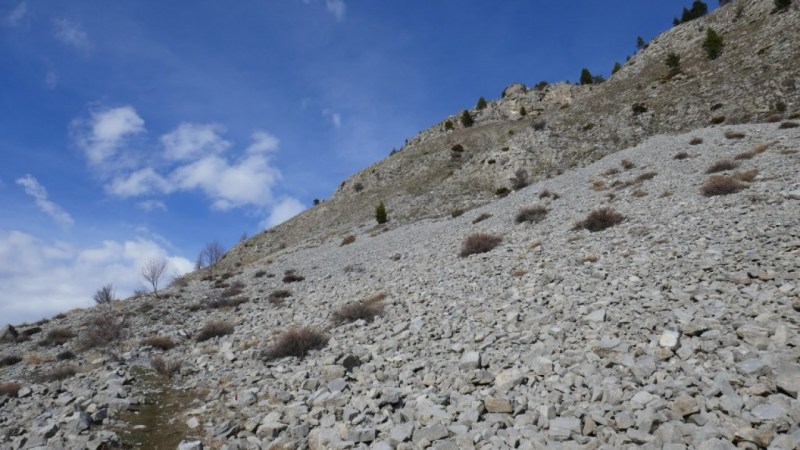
(642,291)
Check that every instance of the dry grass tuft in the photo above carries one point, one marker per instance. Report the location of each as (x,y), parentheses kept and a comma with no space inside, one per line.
(296,342)
(590,259)
(165,367)
(366,310)
(546,193)
(788,124)
(696,141)
(58,374)
(722,165)
(481,218)
(58,336)
(747,175)
(10,389)
(721,185)
(774,118)
(611,172)
(348,240)
(456,213)
(259,274)
(626,164)
(519,273)
(680,155)
(666,193)
(10,360)
(646,176)
(479,243)
(533,214)
(291,277)
(600,219)
(730,134)
(598,185)
(214,328)
(639,193)
(534,245)
(789,151)
(160,342)
(279,296)
(744,155)
(34,359)
(103,328)
(759,149)
(66,355)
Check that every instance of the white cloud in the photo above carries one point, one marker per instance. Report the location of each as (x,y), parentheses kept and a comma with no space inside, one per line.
(101,136)
(190,140)
(40,279)
(17,14)
(283,211)
(337,8)
(336,118)
(263,142)
(39,193)
(71,34)
(50,80)
(152,205)
(141,182)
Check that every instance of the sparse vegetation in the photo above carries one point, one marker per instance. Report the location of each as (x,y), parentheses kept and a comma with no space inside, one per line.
(713,44)
(448,125)
(278,297)
(104,295)
(296,342)
(102,329)
(165,367)
(696,141)
(291,277)
(160,342)
(10,389)
(502,192)
(58,336)
(747,175)
(611,172)
(522,111)
(546,193)
(358,187)
(153,270)
(639,193)
(788,124)
(680,155)
(673,63)
(533,214)
(65,355)
(348,240)
(58,374)
(259,274)
(214,328)
(479,243)
(366,310)
(638,108)
(458,148)
(586,76)
(646,176)
(717,120)
(481,218)
(730,134)
(626,164)
(781,6)
(721,185)
(380,214)
(466,119)
(722,165)
(520,179)
(600,219)
(9,360)
(539,125)
(481,104)
(744,155)
(457,212)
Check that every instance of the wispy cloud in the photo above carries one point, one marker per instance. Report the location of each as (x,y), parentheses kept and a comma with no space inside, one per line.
(336,118)
(71,34)
(101,135)
(50,80)
(285,209)
(141,182)
(190,140)
(17,14)
(42,278)
(39,194)
(337,8)
(152,205)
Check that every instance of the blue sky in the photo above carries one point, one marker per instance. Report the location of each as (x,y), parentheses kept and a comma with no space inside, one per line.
(133,130)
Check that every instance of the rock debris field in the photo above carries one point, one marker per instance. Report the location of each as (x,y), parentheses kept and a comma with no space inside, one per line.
(678,327)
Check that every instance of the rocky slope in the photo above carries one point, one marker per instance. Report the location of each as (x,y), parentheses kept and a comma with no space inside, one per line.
(757,77)
(677,328)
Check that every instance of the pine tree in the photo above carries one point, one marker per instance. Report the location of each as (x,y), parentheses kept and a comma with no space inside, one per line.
(380,214)
(586,76)
(640,44)
(481,104)
(782,5)
(617,67)
(713,44)
(673,63)
(466,119)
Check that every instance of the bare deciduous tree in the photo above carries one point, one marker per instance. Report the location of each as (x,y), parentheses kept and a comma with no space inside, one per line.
(211,254)
(104,295)
(153,270)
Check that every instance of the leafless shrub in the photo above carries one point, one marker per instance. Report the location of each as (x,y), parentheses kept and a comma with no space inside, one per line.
(456,213)
(788,124)
(214,328)
(218,301)
(9,360)
(153,270)
(666,194)
(33,359)
(721,185)
(730,134)
(646,176)
(519,273)
(105,327)
(746,176)
(600,219)
(366,310)
(696,141)
(160,342)
(396,257)
(233,290)
(65,355)
(291,277)
(789,151)
(598,185)
(210,255)
(761,148)
(58,336)
(639,193)
(296,342)
(539,125)
(533,214)
(722,165)
(680,155)
(590,259)
(744,155)
(278,297)
(259,274)
(481,218)
(58,374)
(10,389)
(348,240)
(611,172)
(104,295)
(520,179)
(30,331)
(165,367)
(626,164)
(479,243)
(774,118)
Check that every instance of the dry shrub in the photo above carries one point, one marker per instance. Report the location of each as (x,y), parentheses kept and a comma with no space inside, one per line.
(520,180)
(600,219)
(291,277)
(789,151)
(545,193)
(456,213)
(639,193)
(532,215)
(590,259)
(159,342)
(611,172)
(9,360)
(58,336)
(696,141)
(366,309)
(278,297)
(744,155)
(65,355)
(481,218)
(479,243)
(10,389)
(259,274)
(680,155)
(214,328)
(626,164)
(730,134)
(233,290)
(747,175)
(721,185)
(722,165)
(598,185)
(348,240)
(788,124)
(219,302)
(774,118)
(666,193)
(33,359)
(58,374)
(165,367)
(103,328)
(296,342)
(761,148)
(646,176)
(519,273)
